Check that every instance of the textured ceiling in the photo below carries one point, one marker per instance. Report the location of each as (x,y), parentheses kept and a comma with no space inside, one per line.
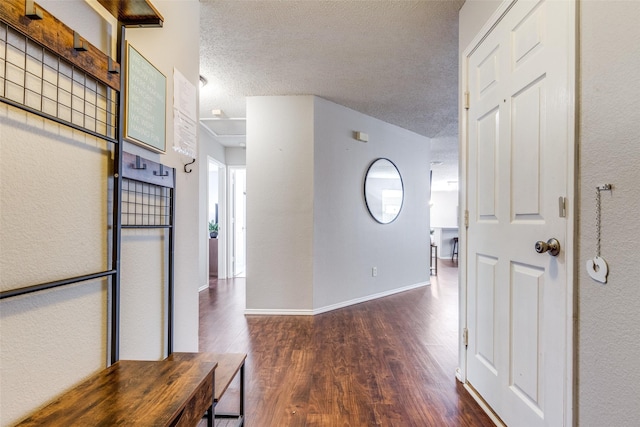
(393,60)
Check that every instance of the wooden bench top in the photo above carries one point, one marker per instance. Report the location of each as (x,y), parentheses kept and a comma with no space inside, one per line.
(228,366)
(131,392)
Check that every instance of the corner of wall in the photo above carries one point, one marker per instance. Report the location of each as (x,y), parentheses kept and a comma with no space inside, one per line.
(279,160)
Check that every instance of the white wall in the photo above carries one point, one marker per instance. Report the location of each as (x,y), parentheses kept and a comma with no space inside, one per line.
(609,152)
(52,226)
(51,340)
(444,211)
(236,156)
(311,243)
(210,146)
(473,15)
(279,203)
(347,241)
(176,44)
(608,338)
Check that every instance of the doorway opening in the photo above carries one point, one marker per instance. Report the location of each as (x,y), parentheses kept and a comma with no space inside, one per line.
(238,221)
(216,218)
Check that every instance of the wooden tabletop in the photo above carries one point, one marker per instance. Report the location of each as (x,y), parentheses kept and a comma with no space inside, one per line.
(228,366)
(130,392)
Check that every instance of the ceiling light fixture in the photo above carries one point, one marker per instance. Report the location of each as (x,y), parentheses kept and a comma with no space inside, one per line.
(203,82)
(436,163)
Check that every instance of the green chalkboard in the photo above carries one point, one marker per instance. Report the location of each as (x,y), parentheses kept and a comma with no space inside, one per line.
(145,102)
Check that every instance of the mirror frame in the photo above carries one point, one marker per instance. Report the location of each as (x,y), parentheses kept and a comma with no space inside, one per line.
(366,176)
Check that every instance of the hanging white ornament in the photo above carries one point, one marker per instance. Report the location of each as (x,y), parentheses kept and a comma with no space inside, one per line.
(597,267)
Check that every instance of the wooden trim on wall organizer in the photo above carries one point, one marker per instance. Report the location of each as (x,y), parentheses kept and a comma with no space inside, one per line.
(56,36)
(134,13)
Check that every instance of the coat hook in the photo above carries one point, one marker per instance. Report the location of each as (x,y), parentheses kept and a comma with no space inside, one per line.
(162,172)
(139,164)
(31,10)
(190,163)
(79,44)
(113,67)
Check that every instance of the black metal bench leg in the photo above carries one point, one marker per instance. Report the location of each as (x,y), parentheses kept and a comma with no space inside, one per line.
(210,416)
(242,394)
(211,412)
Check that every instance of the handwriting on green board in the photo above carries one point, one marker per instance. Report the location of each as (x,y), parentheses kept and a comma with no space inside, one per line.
(145,106)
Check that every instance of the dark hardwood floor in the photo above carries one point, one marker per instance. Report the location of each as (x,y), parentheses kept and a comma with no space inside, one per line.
(387,362)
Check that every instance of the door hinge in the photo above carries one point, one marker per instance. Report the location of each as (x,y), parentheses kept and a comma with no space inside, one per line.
(466,218)
(465,337)
(562,207)
(466,100)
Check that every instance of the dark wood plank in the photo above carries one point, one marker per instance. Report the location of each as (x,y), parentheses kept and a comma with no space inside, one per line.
(56,36)
(140,393)
(386,362)
(134,13)
(229,365)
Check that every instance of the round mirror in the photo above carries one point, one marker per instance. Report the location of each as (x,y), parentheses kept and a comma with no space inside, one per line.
(383,191)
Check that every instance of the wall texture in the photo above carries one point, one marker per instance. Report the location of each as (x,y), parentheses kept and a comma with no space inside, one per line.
(279,203)
(235,156)
(347,242)
(444,211)
(609,152)
(52,226)
(473,15)
(608,338)
(311,243)
(175,45)
(50,184)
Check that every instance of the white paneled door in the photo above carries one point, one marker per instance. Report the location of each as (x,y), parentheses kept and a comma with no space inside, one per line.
(520,136)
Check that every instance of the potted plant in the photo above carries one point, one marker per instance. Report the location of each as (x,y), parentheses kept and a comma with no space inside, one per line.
(213,229)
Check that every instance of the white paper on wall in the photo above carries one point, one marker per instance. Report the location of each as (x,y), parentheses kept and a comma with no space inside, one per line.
(184,115)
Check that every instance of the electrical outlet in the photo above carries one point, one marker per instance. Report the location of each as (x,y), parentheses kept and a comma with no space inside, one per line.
(374,271)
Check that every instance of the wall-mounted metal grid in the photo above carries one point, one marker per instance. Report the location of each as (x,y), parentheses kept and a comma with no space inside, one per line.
(34,77)
(145,205)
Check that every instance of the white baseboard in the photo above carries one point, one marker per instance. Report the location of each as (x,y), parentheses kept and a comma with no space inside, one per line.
(284,312)
(368,298)
(203,287)
(472,391)
(278,312)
